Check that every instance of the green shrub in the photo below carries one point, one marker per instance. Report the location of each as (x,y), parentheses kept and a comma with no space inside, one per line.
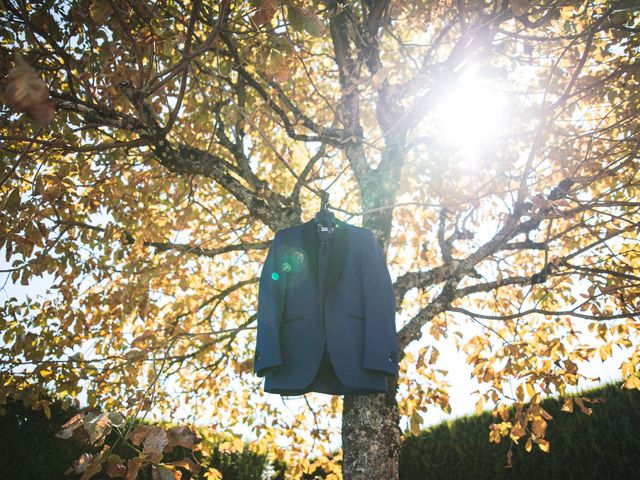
(603,445)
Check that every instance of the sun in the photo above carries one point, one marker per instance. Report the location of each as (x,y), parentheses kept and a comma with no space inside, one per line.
(470,115)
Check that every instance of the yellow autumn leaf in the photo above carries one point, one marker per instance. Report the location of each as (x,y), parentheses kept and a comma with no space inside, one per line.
(544,445)
(538,427)
(580,402)
(25,91)
(517,431)
(45,407)
(545,414)
(632,382)
(45,372)
(278,67)
(520,393)
(435,353)
(266,10)
(213,474)
(605,351)
(530,390)
(568,405)
(414,422)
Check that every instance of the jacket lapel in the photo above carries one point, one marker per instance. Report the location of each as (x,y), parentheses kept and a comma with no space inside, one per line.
(310,239)
(336,257)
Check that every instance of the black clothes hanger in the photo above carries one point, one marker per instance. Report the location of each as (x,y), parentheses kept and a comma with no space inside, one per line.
(325,219)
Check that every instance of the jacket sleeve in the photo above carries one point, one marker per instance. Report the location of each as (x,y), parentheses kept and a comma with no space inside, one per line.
(270,301)
(380,350)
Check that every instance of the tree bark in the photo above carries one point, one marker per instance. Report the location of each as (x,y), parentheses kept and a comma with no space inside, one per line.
(371,435)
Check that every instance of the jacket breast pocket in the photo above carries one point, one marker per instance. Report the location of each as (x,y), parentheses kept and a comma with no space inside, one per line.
(357,316)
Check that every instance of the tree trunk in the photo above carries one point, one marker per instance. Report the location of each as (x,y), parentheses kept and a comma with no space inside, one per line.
(371,435)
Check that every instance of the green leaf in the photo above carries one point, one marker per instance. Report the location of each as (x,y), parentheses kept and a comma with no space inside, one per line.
(301,18)
(313,24)
(100,10)
(282,44)
(296,20)
(165,473)
(13,201)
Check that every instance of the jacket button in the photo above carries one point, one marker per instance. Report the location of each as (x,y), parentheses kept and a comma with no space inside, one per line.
(257,355)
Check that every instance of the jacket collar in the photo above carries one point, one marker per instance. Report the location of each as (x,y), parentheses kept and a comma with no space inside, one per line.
(336,257)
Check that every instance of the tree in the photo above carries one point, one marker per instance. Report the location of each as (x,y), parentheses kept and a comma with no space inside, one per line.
(175,132)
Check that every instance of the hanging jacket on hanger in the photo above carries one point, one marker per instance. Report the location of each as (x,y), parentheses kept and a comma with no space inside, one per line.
(326,313)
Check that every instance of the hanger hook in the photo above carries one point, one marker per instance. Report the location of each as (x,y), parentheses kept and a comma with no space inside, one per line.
(324,200)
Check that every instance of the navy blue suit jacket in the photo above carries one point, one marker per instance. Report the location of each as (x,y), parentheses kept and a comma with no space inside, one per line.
(359,314)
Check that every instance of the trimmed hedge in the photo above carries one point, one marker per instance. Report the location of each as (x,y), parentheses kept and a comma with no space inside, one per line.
(29,448)
(603,445)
